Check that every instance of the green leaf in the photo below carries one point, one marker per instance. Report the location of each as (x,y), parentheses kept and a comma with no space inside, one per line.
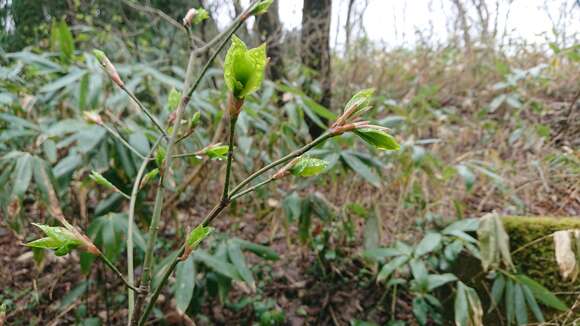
(237,258)
(69,79)
(437,280)
(218,152)
(544,295)
(243,68)
(22,175)
(140,142)
(173,99)
(461,306)
(380,254)
(194,119)
(419,270)
(509,301)
(58,238)
(429,243)
(493,243)
(361,169)
(468,310)
(149,176)
(360,101)
(67,165)
(318,109)
(84,91)
(420,310)
(200,16)
(307,167)
(100,180)
(49,149)
(108,231)
(292,206)
(497,291)
(378,138)
(197,235)
(532,303)
(184,283)
(224,268)
(391,266)
(66,41)
(261,7)
(74,295)
(44,243)
(520,305)
(467,175)
(465,225)
(259,250)
(160,156)
(371,233)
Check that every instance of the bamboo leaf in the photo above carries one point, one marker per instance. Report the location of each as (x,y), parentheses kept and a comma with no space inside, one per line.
(544,295)
(378,139)
(429,243)
(237,258)
(184,283)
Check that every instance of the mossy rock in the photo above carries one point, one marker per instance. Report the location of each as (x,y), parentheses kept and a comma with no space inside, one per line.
(538,260)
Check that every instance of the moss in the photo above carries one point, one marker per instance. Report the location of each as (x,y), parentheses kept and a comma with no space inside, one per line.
(537,260)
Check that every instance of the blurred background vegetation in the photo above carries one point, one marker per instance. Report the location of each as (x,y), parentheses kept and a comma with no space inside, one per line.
(488,122)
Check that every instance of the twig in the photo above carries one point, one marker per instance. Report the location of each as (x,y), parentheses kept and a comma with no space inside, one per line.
(122,140)
(142,108)
(216,210)
(189,88)
(116,271)
(131,221)
(282,160)
(226,187)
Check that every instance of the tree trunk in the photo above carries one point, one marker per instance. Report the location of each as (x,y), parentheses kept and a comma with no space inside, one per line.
(269,29)
(315,52)
(348,28)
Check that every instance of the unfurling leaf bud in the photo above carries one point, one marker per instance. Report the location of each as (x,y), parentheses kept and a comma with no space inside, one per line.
(261,7)
(194,120)
(173,99)
(195,237)
(92,117)
(243,68)
(216,151)
(58,238)
(302,167)
(377,137)
(194,17)
(149,176)
(308,166)
(356,106)
(108,67)
(100,180)
(160,156)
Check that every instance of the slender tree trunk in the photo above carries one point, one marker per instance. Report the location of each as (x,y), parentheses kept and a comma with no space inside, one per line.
(348,28)
(269,29)
(315,52)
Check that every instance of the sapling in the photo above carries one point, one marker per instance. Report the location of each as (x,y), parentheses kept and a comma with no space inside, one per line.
(243,75)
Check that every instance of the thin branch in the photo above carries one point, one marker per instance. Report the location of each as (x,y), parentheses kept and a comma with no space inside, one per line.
(282,160)
(142,108)
(122,140)
(216,210)
(117,272)
(155,11)
(233,119)
(131,221)
(252,188)
(188,89)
